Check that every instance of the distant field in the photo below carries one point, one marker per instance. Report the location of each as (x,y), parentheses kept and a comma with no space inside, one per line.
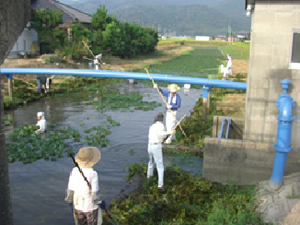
(238,50)
(192,42)
(192,64)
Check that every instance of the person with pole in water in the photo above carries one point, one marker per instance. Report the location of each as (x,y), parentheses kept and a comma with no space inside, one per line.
(173,104)
(83,188)
(157,134)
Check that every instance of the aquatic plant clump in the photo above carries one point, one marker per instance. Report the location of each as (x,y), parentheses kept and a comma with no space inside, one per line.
(26,146)
(186,200)
(7,120)
(116,101)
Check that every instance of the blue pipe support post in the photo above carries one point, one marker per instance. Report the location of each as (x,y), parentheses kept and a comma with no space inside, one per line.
(10,85)
(91,65)
(206,100)
(127,75)
(282,146)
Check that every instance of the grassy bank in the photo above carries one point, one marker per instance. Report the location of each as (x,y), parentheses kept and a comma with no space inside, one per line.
(187,200)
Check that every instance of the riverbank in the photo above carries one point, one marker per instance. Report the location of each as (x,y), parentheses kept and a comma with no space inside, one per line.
(25,90)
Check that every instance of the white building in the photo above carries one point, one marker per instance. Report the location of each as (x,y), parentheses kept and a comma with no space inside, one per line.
(27,44)
(203,38)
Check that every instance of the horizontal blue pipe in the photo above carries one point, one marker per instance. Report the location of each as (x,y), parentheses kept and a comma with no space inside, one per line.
(127,75)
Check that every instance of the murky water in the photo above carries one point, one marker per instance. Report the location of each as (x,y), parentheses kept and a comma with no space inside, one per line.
(38,189)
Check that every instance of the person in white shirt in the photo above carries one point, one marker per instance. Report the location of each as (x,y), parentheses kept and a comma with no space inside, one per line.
(228,69)
(157,134)
(83,188)
(42,123)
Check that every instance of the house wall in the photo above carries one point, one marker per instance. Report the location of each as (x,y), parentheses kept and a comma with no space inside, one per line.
(271,42)
(24,43)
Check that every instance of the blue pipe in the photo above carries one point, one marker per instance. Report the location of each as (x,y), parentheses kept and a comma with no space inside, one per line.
(282,146)
(222,127)
(127,75)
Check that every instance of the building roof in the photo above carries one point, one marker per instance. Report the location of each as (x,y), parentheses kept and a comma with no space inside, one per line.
(69,14)
(252,2)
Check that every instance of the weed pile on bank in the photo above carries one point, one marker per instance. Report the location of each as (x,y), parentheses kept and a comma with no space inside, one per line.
(186,200)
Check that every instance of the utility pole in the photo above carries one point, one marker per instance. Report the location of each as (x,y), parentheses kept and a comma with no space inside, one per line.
(229,35)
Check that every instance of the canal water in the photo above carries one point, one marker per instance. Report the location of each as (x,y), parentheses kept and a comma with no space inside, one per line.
(38,189)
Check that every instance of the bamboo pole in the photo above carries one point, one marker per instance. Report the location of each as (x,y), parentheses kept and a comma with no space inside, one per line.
(88,48)
(165,102)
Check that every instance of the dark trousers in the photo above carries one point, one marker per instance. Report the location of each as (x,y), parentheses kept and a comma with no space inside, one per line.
(87,218)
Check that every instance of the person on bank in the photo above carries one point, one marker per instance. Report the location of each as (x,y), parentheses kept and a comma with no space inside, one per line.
(83,188)
(174,102)
(98,61)
(157,134)
(42,123)
(41,81)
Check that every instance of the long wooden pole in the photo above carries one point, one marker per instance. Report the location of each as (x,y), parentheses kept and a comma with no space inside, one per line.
(88,48)
(165,102)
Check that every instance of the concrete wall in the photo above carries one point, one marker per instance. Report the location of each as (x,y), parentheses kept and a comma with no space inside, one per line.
(241,161)
(14,15)
(271,42)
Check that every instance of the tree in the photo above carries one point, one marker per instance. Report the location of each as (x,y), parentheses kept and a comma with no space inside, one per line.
(100,19)
(46,22)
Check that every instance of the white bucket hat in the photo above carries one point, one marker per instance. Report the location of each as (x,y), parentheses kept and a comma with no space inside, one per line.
(173,88)
(88,156)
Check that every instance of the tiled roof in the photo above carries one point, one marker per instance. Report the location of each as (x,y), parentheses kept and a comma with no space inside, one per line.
(69,14)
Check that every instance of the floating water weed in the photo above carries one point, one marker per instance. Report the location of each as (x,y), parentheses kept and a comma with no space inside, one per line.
(7,120)
(125,103)
(186,200)
(27,147)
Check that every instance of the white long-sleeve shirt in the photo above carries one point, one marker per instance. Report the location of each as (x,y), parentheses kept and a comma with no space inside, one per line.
(157,133)
(42,124)
(83,196)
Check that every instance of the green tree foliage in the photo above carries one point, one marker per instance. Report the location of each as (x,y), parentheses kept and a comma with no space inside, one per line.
(74,46)
(100,19)
(125,39)
(46,23)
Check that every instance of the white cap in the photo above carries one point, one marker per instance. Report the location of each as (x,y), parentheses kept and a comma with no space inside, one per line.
(40,114)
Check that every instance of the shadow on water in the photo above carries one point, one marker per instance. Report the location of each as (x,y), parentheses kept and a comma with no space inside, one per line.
(38,189)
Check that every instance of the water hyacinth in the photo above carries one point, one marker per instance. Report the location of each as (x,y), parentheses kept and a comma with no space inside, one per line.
(187,200)
(116,101)
(26,146)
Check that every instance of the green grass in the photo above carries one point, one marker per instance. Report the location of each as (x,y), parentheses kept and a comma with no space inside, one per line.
(190,64)
(238,50)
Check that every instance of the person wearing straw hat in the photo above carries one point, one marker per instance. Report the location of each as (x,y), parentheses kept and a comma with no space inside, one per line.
(174,102)
(83,188)
(157,134)
(42,123)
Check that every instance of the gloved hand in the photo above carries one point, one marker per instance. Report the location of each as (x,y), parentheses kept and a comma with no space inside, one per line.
(169,106)
(69,197)
(155,86)
(103,204)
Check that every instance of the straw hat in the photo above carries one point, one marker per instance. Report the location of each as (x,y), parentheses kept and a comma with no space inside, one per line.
(173,88)
(88,156)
